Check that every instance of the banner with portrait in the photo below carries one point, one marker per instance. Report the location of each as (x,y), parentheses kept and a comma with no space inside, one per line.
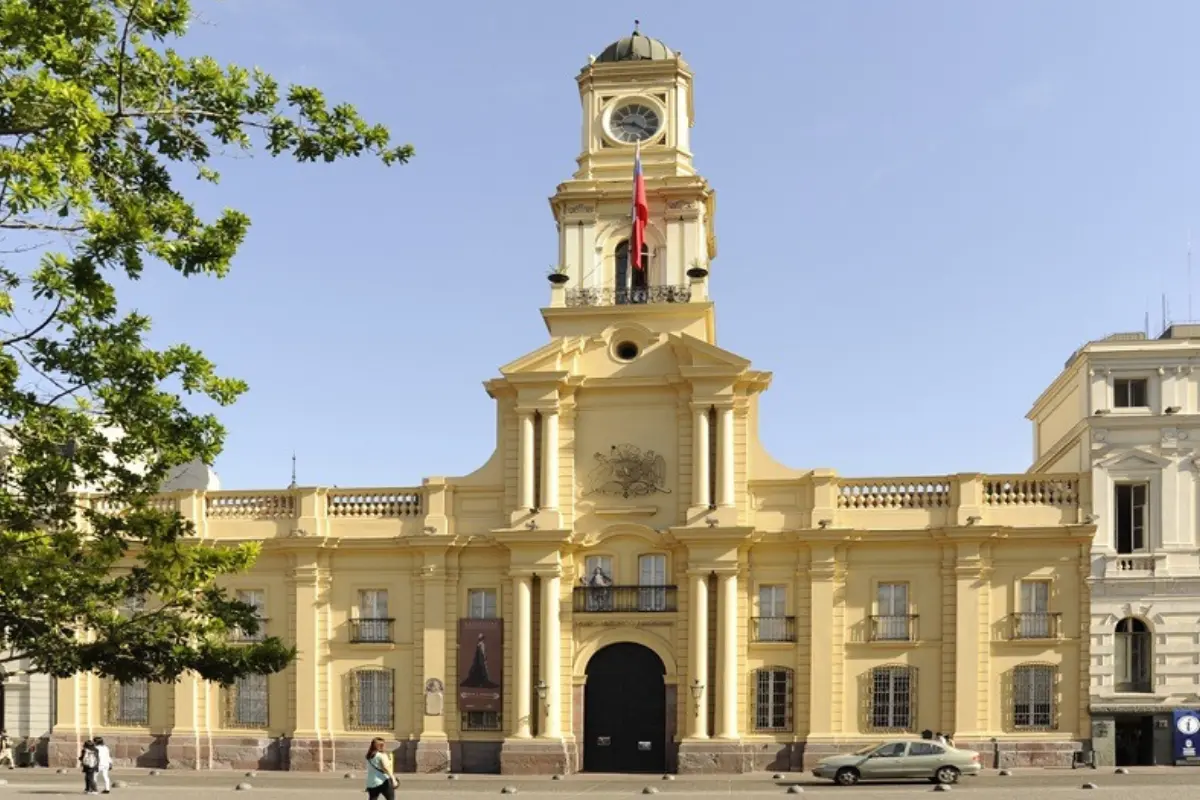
(480,664)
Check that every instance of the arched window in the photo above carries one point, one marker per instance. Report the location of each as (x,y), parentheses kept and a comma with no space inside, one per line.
(772,699)
(1132,651)
(893,695)
(631,283)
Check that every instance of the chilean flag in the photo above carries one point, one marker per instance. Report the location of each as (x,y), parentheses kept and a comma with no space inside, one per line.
(641,211)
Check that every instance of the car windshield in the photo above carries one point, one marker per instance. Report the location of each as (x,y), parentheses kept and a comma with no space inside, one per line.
(868,749)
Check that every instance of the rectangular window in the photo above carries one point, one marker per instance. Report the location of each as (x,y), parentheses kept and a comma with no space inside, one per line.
(1033,696)
(892,698)
(1035,610)
(373,624)
(773,700)
(1131,393)
(1130,517)
(772,614)
(258,599)
(371,700)
(652,571)
(249,702)
(481,604)
(892,619)
(598,578)
(481,721)
(131,704)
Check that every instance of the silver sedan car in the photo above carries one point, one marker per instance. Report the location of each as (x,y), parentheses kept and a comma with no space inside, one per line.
(898,760)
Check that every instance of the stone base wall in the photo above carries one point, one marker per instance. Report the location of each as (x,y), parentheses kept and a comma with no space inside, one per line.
(529,757)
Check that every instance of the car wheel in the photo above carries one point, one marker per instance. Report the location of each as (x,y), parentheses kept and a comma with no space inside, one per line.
(946,775)
(846,776)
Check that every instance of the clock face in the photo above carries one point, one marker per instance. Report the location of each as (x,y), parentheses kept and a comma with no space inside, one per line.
(634,123)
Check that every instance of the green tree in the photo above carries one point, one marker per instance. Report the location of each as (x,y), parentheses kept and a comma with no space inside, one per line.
(100,120)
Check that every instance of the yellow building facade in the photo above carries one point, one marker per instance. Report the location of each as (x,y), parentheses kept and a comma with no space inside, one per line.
(631,583)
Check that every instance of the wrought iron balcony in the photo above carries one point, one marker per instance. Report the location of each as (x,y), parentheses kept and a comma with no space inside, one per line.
(366,630)
(773,629)
(239,636)
(578,298)
(894,628)
(1036,625)
(641,599)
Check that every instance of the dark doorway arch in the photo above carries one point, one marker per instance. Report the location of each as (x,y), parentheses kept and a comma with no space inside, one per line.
(625,711)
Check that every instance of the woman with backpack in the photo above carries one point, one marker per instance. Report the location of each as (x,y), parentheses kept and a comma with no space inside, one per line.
(381,780)
(89,759)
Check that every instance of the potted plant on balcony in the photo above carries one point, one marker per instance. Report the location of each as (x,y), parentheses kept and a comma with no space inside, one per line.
(698,270)
(558,275)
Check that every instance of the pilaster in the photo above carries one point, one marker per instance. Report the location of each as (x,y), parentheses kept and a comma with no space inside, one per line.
(308,617)
(971,573)
(433,749)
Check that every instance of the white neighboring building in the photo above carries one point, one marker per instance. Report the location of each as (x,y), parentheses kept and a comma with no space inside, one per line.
(1128,408)
(27,701)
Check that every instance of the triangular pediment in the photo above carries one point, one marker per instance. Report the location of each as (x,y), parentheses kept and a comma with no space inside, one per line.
(1133,459)
(592,358)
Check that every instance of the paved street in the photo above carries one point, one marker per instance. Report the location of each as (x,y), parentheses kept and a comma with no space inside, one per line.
(1022,785)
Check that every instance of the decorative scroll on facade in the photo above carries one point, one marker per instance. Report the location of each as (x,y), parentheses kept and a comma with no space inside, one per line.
(628,472)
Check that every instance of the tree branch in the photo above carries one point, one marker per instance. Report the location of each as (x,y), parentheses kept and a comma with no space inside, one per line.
(30,334)
(38,226)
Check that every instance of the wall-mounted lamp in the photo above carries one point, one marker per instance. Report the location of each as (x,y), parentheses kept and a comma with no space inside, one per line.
(542,690)
(974,520)
(825,523)
(697,693)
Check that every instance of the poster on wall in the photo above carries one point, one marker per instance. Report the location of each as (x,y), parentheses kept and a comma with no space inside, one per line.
(480,664)
(1186,729)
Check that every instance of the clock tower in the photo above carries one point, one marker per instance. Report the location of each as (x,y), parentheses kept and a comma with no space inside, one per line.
(636,98)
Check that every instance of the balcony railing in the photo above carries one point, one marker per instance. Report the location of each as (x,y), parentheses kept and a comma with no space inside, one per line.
(239,636)
(1036,625)
(620,297)
(642,599)
(894,628)
(773,629)
(365,630)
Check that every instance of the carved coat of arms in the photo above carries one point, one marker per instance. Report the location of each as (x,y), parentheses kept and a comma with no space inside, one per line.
(626,471)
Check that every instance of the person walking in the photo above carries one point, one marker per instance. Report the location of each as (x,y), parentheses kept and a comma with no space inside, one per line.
(381,780)
(6,750)
(104,763)
(89,760)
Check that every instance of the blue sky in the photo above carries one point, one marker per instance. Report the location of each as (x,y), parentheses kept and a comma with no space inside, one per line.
(924,207)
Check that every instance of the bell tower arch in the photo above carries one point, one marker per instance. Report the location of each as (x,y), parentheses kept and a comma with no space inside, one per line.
(637,106)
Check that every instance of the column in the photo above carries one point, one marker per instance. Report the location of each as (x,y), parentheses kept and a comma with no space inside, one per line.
(550,459)
(551,650)
(525,460)
(725,496)
(522,654)
(698,654)
(727,642)
(700,458)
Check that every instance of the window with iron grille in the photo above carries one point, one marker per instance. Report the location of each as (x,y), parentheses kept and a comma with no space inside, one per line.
(773,699)
(1033,696)
(258,599)
(372,700)
(892,698)
(481,720)
(481,604)
(247,702)
(129,703)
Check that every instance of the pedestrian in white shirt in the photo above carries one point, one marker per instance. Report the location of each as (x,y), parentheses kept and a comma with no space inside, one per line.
(105,762)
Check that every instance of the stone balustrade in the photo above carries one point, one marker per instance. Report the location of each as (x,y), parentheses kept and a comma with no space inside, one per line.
(281,513)
(823,499)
